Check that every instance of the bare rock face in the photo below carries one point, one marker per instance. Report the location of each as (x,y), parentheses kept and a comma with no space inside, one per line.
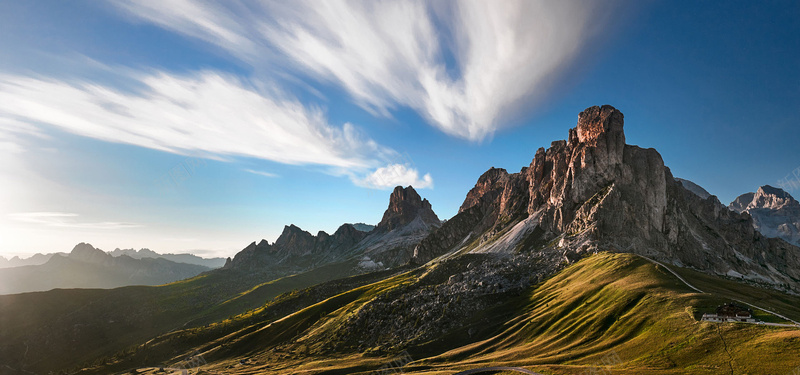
(775,213)
(593,192)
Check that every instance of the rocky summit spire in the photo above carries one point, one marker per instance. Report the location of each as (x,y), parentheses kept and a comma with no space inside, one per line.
(405,205)
(600,122)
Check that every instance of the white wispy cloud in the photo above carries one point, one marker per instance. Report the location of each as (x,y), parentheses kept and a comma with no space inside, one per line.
(392,54)
(67,220)
(206,113)
(261,173)
(394,175)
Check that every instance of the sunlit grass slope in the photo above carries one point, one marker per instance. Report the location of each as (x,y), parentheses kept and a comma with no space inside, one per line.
(615,312)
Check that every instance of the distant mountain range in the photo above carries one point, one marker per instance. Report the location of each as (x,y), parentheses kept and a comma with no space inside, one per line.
(177,258)
(33,260)
(39,258)
(87,267)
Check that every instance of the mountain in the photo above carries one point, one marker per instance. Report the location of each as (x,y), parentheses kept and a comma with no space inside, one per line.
(363,227)
(775,213)
(591,259)
(122,317)
(87,267)
(33,260)
(38,259)
(177,258)
(406,221)
(694,188)
(593,192)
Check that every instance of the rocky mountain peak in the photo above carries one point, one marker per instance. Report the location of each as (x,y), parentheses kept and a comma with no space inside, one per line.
(87,253)
(775,213)
(405,205)
(293,236)
(487,182)
(766,197)
(772,197)
(596,123)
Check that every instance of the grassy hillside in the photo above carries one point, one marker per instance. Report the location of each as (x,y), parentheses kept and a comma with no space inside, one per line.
(616,313)
(69,328)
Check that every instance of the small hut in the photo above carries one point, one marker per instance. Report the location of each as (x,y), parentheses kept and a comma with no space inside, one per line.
(730,312)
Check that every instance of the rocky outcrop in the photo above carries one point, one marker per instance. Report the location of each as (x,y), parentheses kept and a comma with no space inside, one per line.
(594,192)
(775,213)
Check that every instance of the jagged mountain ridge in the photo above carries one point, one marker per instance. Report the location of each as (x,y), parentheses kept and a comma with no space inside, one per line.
(594,192)
(406,221)
(775,212)
(88,267)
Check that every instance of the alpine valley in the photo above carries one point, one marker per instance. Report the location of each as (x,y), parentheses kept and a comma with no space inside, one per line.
(591,259)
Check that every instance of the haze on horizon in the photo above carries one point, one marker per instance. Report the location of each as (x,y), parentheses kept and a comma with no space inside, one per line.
(202,126)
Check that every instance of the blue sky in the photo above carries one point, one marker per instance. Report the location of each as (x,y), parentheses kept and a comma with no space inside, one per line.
(202,126)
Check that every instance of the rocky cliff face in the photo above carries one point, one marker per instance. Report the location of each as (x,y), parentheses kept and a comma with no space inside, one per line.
(594,192)
(775,213)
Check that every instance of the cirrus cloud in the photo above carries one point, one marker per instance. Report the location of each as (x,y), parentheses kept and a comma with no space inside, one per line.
(208,113)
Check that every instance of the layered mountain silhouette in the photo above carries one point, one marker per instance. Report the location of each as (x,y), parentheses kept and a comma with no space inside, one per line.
(33,260)
(177,258)
(39,258)
(88,267)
